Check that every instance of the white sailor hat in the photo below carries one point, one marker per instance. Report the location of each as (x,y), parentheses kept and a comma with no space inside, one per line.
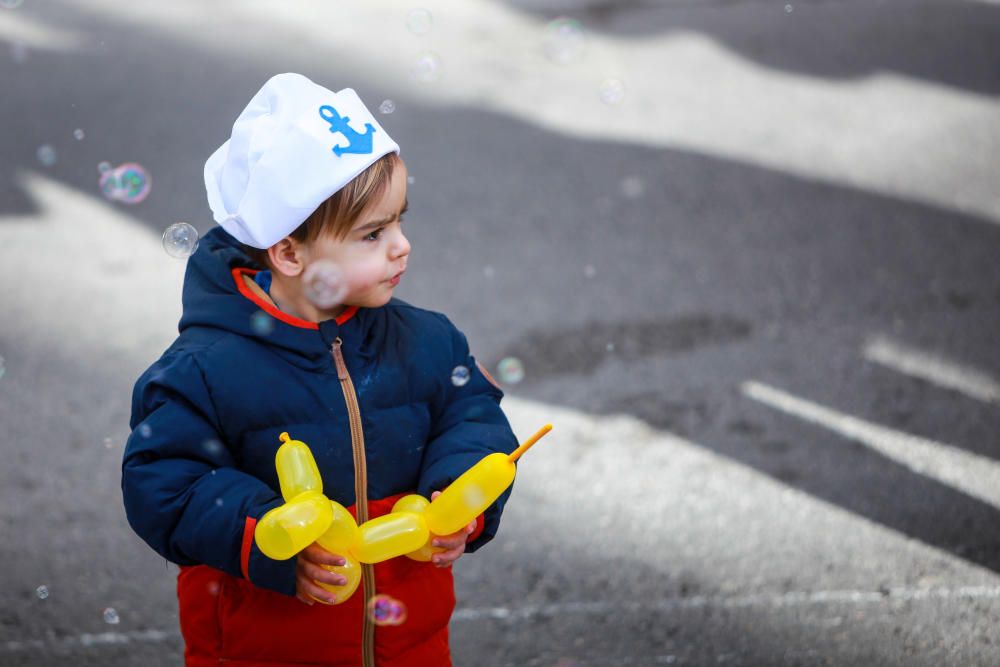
(295,145)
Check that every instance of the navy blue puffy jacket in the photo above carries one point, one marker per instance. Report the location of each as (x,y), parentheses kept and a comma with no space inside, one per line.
(207,415)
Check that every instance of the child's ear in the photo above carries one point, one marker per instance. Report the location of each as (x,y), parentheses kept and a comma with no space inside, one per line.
(287,257)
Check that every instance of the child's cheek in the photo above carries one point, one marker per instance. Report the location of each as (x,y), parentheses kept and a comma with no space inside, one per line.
(372,274)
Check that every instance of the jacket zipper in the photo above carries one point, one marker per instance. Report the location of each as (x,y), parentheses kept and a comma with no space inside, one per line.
(360,495)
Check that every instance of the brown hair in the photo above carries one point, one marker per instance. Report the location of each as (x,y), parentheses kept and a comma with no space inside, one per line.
(338,213)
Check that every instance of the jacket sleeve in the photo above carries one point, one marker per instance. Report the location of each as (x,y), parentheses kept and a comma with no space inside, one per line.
(468,424)
(182,490)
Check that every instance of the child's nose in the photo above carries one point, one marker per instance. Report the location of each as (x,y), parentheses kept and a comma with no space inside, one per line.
(400,246)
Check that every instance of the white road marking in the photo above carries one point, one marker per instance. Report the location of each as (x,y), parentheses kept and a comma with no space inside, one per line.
(934,369)
(975,475)
(530,612)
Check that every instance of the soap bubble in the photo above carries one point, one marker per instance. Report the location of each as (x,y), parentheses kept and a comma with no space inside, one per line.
(3,368)
(426,68)
(632,187)
(410,180)
(386,610)
(564,40)
(218,502)
(11,4)
(589,271)
(324,284)
(129,183)
(262,323)
(145,430)
(419,21)
(103,166)
(460,376)
(387,106)
(488,271)
(109,184)
(47,155)
(612,91)
(111,616)
(788,9)
(78,134)
(135,183)
(180,240)
(212,447)
(510,370)
(42,592)
(473,496)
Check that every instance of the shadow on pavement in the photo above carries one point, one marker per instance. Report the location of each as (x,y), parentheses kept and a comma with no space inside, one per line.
(950,43)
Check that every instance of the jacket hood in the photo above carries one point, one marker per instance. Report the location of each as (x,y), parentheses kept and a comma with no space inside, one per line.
(215,296)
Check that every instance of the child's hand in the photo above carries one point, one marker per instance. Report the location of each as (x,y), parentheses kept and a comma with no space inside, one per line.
(309,570)
(453,544)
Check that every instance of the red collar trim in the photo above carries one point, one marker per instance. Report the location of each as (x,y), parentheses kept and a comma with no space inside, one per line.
(271,310)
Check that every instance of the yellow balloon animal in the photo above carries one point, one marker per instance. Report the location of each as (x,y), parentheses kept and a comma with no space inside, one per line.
(408,529)
(308,516)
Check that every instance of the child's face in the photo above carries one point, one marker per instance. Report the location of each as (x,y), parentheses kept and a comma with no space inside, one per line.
(372,257)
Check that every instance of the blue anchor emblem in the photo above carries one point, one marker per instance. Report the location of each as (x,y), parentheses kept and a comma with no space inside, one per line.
(356,142)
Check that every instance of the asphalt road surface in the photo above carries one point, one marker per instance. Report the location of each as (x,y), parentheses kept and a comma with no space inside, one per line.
(748,254)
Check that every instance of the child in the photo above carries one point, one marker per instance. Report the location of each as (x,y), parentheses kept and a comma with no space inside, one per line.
(309,184)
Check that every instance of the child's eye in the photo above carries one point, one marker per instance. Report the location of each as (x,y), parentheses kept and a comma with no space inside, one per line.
(374,236)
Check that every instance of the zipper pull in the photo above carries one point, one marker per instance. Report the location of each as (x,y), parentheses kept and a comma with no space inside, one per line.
(338,359)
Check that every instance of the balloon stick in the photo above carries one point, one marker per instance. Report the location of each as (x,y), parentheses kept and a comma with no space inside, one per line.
(526,445)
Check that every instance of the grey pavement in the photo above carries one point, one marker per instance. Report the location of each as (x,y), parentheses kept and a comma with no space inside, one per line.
(776,191)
